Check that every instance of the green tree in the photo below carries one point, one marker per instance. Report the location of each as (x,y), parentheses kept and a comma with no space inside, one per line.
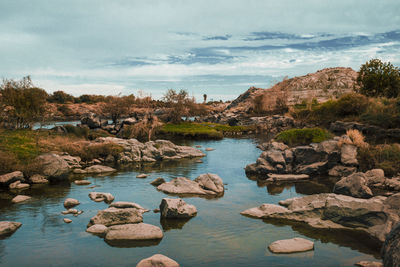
(60,97)
(22,104)
(377,78)
(180,104)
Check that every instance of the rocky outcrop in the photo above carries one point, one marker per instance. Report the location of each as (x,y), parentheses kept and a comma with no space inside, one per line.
(100,196)
(316,158)
(205,184)
(176,209)
(293,245)
(8,228)
(374,216)
(375,132)
(157,260)
(53,166)
(391,248)
(114,216)
(133,232)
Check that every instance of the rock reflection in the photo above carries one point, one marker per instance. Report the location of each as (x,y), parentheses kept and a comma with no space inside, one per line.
(133,243)
(169,224)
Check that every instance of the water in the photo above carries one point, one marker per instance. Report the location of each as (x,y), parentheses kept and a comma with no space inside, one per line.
(217,236)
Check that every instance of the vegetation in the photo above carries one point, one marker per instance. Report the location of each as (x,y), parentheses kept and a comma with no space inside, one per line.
(386,157)
(379,79)
(294,137)
(116,106)
(143,131)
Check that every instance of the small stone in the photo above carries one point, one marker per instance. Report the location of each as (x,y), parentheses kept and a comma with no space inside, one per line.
(291,245)
(209,149)
(71,202)
(158,181)
(97,229)
(20,198)
(156,210)
(66,220)
(100,196)
(198,146)
(82,182)
(142,175)
(38,179)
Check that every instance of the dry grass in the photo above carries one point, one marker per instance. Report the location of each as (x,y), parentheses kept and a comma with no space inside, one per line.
(355,138)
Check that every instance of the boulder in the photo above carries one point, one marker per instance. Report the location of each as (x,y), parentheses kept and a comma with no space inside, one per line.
(114,216)
(70,211)
(97,229)
(176,209)
(375,176)
(341,171)
(99,169)
(133,232)
(348,154)
(82,182)
(264,211)
(157,181)
(100,196)
(391,248)
(354,185)
(18,185)
(7,179)
(210,181)
(91,120)
(38,179)
(71,202)
(157,260)
(293,245)
(127,205)
(73,162)
(53,166)
(182,185)
(20,198)
(369,264)
(8,228)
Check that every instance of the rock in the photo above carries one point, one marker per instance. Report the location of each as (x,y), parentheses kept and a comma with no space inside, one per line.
(20,198)
(158,181)
(91,120)
(100,196)
(349,154)
(38,179)
(156,210)
(82,182)
(8,228)
(391,248)
(133,232)
(264,211)
(198,146)
(209,149)
(176,209)
(71,202)
(341,171)
(126,205)
(210,181)
(142,175)
(291,245)
(157,260)
(129,121)
(97,229)
(114,216)
(99,169)
(369,264)
(199,161)
(66,220)
(354,185)
(53,166)
(7,179)
(70,211)
(286,177)
(18,185)
(375,176)
(73,162)
(109,159)
(182,185)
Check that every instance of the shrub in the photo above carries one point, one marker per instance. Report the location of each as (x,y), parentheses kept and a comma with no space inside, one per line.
(356,138)
(386,157)
(88,152)
(304,136)
(77,131)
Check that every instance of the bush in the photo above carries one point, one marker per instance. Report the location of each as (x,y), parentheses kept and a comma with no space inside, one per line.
(386,157)
(377,78)
(294,137)
(88,152)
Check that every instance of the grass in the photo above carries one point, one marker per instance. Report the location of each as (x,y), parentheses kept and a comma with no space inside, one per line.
(386,157)
(202,130)
(294,137)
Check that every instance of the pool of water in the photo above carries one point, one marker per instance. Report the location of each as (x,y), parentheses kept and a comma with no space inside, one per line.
(217,236)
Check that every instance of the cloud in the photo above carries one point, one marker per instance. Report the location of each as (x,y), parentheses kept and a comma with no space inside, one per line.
(218,37)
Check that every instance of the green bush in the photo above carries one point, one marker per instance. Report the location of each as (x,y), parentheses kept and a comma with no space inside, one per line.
(386,157)
(294,137)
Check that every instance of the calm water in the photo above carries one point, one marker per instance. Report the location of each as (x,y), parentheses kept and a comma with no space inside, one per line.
(217,236)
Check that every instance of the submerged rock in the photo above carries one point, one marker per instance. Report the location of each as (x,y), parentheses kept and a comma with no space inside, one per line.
(291,245)
(114,216)
(8,228)
(20,198)
(99,169)
(286,177)
(158,181)
(172,208)
(157,260)
(127,205)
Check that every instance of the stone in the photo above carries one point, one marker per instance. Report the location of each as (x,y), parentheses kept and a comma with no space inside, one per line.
(172,208)
(293,245)
(182,185)
(210,181)
(82,182)
(91,120)
(157,181)
(354,185)
(209,149)
(70,211)
(38,179)
(100,196)
(126,205)
(349,154)
(97,229)
(114,216)
(133,232)
(99,169)
(199,161)
(71,202)
(375,176)
(66,220)
(264,211)
(20,198)
(142,175)
(158,260)
(286,177)
(7,179)
(129,121)
(391,248)
(369,264)
(8,228)
(53,166)
(18,185)
(341,171)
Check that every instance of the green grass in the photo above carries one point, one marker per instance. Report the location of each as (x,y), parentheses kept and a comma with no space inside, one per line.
(294,137)
(20,143)
(201,130)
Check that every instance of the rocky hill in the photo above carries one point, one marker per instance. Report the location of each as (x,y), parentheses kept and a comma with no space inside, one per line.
(321,85)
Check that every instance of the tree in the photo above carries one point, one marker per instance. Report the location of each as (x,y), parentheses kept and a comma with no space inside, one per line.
(60,97)
(180,104)
(22,104)
(377,78)
(116,106)
(205,98)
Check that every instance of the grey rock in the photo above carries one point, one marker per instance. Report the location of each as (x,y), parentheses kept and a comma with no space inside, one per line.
(126,205)
(142,175)
(375,176)
(182,185)
(176,209)
(349,154)
(340,170)
(53,166)
(18,185)
(210,181)
(66,220)
(82,182)
(369,264)
(391,248)
(97,229)
(38,179)
(286,177)
(99,169)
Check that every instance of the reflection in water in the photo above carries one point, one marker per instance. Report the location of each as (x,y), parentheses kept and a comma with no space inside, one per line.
(168,224)
(133,243)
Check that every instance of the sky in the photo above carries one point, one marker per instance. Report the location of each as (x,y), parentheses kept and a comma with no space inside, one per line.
(214,47)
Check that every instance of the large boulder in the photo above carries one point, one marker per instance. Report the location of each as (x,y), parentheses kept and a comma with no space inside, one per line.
(341,171)
(7,179)
(8,228)
(391,248)
(210,181)
(349,154)
(176,209)
(114,216)
(157,260)
(293,245)
(354,185)
(53,165)
(133,232)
